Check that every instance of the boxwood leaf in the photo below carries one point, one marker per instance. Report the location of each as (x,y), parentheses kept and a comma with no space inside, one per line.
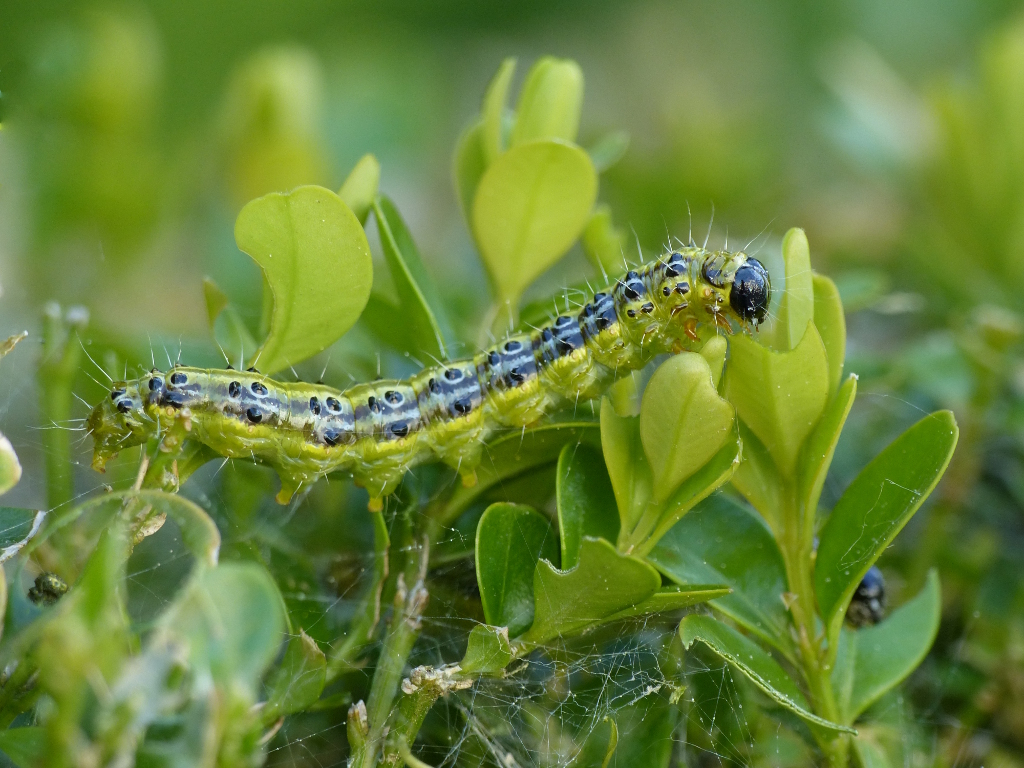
(821,446)
(531,205)
(232,620)
(748,657)
(493,111)
(229,330)
(25,747)
(779,395)
(10,467)
(421,305)
(360,188)
(609,149)
(198,532)
(683,421)
(723,541)
(875,507)
(550,102)
(602,584)
(468,166)
(672,598)
(297,681)
(831,324)
(757,478)
(875,659)
(510,539)
(488,650)
(714,352)
(627,465)
(316,261)
(585,500)
(797,306)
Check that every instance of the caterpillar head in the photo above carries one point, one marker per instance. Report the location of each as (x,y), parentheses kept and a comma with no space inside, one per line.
(117,422)
(742,280)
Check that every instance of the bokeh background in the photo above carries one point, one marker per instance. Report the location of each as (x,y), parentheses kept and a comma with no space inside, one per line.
(893,133)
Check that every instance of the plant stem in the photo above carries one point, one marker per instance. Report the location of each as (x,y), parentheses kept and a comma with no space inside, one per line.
(403,630)
(796,541)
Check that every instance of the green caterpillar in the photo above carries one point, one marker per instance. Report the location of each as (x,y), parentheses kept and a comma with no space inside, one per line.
(378,431)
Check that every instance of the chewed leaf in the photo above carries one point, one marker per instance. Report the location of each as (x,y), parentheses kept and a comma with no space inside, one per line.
(315,258)
(762,670)
(510,539)
(488,650)
(875,507)
(600,586)
(531,205)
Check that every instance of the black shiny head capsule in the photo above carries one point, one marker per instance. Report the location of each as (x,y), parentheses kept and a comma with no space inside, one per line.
(867,606)
(751,292)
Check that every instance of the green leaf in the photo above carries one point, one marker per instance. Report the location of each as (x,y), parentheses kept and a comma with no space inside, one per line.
(550,102)
(875,507)
(585,501)
(515,454)
(422,309)
(531,205)
(603,242)
(722,541)
(797,306)
(745,655)
(296,683)
(198,532)
(831,324)
(627,465)
(714,352)
(229,331)
(873,660)
(231,619)
(821,446)
(510,539)
(757,478)
(493,112)
(488,651)
(609,149)
(683,421)
(870,754)
(10,467)
(601,585)
(779,395)
(468,166)
(360,188)
(672,598)
(17,528)
(25,747)
(315,258)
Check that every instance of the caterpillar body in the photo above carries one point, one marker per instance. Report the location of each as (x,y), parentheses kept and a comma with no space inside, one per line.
(379,430)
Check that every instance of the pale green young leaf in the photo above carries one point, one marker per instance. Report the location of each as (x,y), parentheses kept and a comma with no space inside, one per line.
(492,113)
(875,507)
(550,102)
(510,539)
(714,352)
(360,188)
(757,478)
(821,446)
(831,324)
(468,166)
(531,205)
(627,465)
(779,395)
(10,467)
(609,149)
(748,657)
(683,421)
(315,258)
(797,306)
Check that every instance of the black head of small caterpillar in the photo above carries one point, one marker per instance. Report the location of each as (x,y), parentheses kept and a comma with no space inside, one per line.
(867,606)
(751,292)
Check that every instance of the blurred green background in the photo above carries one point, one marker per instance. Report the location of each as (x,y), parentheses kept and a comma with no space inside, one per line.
(893,133)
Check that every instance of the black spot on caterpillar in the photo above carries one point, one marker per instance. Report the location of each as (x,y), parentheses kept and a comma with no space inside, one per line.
(378,431)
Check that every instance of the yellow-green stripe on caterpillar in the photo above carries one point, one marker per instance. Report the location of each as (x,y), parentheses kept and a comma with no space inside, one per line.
(378,431)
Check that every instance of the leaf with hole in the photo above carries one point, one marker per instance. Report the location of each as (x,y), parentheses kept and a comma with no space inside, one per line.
(316,261)
(297,681)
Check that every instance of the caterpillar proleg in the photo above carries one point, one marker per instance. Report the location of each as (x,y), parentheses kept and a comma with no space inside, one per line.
(379,430)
